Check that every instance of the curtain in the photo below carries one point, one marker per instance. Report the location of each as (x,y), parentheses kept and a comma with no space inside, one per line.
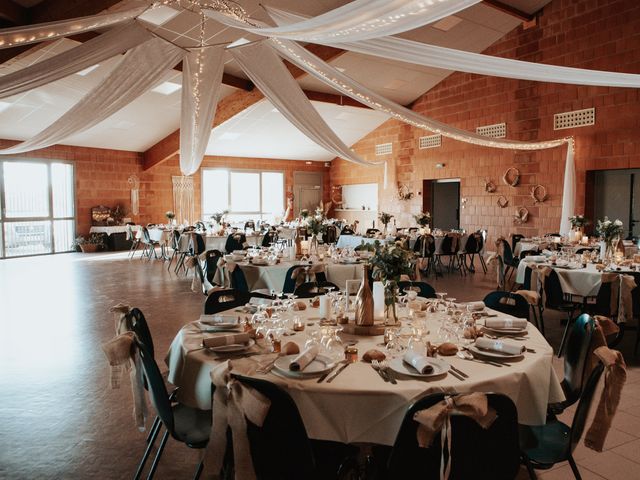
(201,79)
(568,191)
(409,51)
(358,20)
(27,34)
(138,70)
(261,63)
(183,199)
(96,50)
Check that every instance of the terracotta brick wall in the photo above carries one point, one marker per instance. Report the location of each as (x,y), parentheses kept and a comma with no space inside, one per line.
(100,176)
(158,187)
(601,35)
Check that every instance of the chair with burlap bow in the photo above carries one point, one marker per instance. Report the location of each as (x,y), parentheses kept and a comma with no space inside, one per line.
(479,433)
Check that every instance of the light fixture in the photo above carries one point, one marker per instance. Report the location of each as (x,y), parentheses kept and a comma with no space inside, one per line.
(439,165)
(167,88)
(88,70)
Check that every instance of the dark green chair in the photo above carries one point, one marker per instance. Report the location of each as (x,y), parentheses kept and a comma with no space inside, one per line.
(312,289)
(424,289)
(221,300)
(475,452)
(185,424)
(509,303)
(557,300)
(545,445)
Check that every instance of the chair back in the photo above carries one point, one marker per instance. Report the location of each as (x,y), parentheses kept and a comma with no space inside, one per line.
(200,226)
(507,255)
(330,234)
(347,230)
(221,300)
(238,280)
(471,246)
(553,290)
(211,264)
(475,452)
(424,289)
(146,238)
(311,289)
(250,224)
(603,301)
(372,232)
(446,247)
(175,239)
(289,283)
(199,245)
(480,236)
(635,296)
(515,238)
(584,405)
(139,326)
(129,231)
(270,236)
(157,391)
(509,303)
(575,357)
(280,449)
(425,245)
(233,244)
(526,284)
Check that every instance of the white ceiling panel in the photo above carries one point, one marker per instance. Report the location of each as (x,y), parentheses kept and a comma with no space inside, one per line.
(261,131)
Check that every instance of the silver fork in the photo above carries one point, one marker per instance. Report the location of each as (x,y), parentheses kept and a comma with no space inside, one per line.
(385,367)
(376,366)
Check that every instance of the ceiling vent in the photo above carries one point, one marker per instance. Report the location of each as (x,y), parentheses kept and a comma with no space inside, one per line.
(384,148)
(577,118)
(499,130)
(431,141)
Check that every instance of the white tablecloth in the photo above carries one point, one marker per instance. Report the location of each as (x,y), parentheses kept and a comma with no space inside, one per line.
(273,276)
(358,406)
(353,241)
(109,230)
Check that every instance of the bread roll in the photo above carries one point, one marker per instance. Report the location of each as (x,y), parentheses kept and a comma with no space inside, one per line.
(371,355)
(290,348)
(447,349)
(300,306)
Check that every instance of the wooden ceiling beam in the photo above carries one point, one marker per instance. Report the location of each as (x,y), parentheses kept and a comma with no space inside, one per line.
(229,107)
(508,9)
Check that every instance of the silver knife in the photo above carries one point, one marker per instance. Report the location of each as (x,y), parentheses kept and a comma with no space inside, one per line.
(333,377)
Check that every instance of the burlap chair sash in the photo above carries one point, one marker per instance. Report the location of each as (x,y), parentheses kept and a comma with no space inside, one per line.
(306,273)
(437,418)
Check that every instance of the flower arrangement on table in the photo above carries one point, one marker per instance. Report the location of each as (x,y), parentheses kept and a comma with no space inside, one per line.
(610,232)
(423,219)
(385,218)
(218,216)
(578,221)
(90,244)
(170,215)
(304,213)
(389,262)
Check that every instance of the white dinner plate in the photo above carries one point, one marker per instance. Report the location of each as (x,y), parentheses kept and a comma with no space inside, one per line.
(234,347)
(321,364)
(516,332)
(491,354)
(440,367)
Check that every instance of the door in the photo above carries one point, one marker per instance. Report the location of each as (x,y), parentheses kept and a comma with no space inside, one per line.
(444,198)
(38,211)
(617,196)
(307,191)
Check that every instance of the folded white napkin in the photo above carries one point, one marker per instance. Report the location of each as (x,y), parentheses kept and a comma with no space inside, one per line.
(220,340)
(502,346)
(217,320)
(303,359)
(418,361)
(535,258)
(506,322)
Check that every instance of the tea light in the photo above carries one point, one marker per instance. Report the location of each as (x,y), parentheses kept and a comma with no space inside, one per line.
(578,236)
(304,246)
(298,324)
(585,240)
(557,239)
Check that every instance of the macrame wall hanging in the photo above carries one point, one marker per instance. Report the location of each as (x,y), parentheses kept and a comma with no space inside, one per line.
(521,216)
(183,198)
(134,184)
(539,194)
(511,176)
(489,186)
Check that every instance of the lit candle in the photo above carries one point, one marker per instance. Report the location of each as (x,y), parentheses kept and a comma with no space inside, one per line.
(585,240)
(304,246)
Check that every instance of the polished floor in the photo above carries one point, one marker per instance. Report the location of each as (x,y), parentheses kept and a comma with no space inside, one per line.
(60,420)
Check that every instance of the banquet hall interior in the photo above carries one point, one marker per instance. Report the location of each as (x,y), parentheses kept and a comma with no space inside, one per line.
(333,239)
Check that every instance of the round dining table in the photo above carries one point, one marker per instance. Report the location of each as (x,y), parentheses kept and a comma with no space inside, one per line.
(359,406)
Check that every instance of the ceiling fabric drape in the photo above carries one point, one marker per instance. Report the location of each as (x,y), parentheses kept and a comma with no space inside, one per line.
(27,34)
(361,20)
(201,80)
(265,69)
(114,42)
(140,69)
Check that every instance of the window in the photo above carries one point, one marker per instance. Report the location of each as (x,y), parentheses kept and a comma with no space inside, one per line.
(246,194)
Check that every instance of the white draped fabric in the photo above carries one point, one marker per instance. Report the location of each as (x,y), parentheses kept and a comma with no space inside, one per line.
(265,69)
(201,80)
(409,51)
(361,20)
(568,191)
(139,70)
(109,44)
(27,34)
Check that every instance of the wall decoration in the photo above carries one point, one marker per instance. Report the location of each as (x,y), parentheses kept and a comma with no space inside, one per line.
(404,193)
(511,176)
(502,201)
(521,216)
(489,186)
(134,184)
(336,195)
(539,194)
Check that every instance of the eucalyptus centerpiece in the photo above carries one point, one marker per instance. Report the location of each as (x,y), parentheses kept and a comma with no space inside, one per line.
(170,216)
(389,262)
(316,225)
(578,222)
(385,218)
(423,219)
(610,233)
(304,213)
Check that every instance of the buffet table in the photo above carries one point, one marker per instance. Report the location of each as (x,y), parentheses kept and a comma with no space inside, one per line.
(359,406)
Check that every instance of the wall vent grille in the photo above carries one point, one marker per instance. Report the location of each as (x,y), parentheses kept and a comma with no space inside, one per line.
(430,141)
(499,130)
(577,118)
(384,148)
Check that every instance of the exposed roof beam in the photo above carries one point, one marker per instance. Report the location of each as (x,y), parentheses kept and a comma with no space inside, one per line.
(513,11)
(333,98)
(229,107)
(13,13)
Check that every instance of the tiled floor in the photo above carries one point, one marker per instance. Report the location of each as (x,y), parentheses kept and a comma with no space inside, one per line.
(59,419)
